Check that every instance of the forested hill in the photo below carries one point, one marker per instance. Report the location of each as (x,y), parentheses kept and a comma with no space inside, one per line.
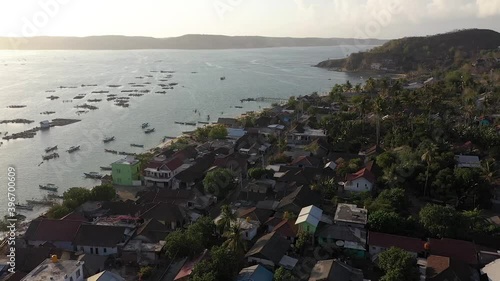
(413,53)
(182,42)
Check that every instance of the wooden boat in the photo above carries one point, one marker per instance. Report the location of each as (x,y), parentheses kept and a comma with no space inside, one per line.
(149,131)
(43,202)
(73,149)
(54,196)
(24,207)
(106,168)
(145,125)
(223,78)
(50,156)
(93,175)
(109,139)
(50,149)
(190,123)
(137,145)
(49,187)
(111,151)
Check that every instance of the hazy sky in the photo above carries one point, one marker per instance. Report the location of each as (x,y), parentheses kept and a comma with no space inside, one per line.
(297,18)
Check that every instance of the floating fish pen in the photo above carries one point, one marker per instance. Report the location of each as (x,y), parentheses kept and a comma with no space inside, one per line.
(16,106)
(135,95)
(128,91)
(114,86)
(122,98)
(87,106)
(137,85)
(18,121)
(47,112)
(148,83)
(100,92)
(122,104)
(144,91)
(94,100)
(111,95)
(111,98)
(79,97)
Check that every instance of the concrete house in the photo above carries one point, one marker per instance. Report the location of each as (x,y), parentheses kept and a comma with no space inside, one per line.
(361,181)
(100,239)
(60,233)
(350,215)
(380,242)
(309,218)
(334,270)
(56,270)
(160,172)
(268,250)
(126,171)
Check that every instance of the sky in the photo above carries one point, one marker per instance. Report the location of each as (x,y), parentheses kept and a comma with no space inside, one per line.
(385,19)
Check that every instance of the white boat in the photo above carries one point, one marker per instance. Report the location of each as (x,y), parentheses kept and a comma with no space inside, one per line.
(73,149)
(49,187)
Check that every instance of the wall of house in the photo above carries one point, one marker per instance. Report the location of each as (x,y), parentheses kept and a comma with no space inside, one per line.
(307,227)
(124,174)
(101,251)
(77,275)
(249,234)
(254,260)
(358,185)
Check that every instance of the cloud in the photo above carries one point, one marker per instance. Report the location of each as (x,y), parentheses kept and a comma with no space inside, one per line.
(487,8)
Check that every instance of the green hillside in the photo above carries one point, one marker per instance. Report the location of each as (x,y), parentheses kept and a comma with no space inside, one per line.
(413,53)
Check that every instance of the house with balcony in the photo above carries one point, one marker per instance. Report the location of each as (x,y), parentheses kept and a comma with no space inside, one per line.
(160,171)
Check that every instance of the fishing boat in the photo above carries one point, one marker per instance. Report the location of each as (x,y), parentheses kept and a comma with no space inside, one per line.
(180,123)
(54,196)
(149,131)
(93,175)
(145,125)
(223,78)
(137,145)
(203,122)
(191,123)
(238,106)
(109,139)
(50,156)
(49,187)
(24,207)
(73,149)
(43,202)
(49,149)
(107,168)
(111,151)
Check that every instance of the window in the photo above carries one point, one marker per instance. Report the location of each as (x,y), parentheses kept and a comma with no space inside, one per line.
(78,273)
(91,250)
(105,250)
(97,251)
(357,184)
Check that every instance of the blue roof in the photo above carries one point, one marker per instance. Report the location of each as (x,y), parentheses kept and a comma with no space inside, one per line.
(255,273)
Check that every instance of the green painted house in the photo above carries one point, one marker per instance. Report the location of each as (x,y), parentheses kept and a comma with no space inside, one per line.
(309,219)
(126,171)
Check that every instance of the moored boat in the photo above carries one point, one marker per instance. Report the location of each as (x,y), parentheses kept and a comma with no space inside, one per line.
(43,202)
(49,149)
(108,139)
(73,149)
(50,156)
(49,187)
(136,145)
(24,207)
(145,125)
(93,175)
(106,168)
(149,131)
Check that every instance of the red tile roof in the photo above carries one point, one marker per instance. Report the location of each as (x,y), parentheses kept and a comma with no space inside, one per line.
(154,164)
(188,267)
(286,228)
(173,164)
(363,173)
(409,244)
(457,249)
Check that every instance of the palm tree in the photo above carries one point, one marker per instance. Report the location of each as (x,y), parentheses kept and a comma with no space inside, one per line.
(226,218)
(234,240)
(427,158)
(489,172)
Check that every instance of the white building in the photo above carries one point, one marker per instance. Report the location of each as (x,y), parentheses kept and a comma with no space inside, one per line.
(361,181)
(56,270)
(492,270)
